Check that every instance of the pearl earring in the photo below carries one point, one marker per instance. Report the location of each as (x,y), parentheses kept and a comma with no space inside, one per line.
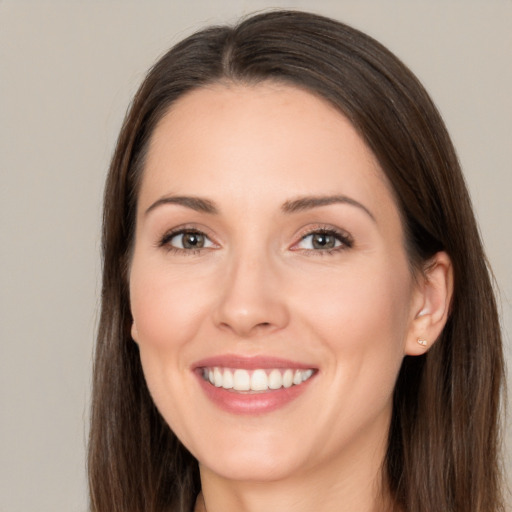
(423,343)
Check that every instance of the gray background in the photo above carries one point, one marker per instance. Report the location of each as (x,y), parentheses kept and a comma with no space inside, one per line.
(67,72)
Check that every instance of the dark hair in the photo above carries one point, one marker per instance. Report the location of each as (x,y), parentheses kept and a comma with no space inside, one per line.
(443,452)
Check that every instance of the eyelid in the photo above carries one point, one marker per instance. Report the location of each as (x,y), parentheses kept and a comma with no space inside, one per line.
(345,239)
(341,235)
(164,240)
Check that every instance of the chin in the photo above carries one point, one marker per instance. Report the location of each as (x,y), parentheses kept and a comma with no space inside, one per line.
(252,466)
(246,455)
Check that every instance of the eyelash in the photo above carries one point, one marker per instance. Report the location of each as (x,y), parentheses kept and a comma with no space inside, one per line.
(345,240)
(164,242)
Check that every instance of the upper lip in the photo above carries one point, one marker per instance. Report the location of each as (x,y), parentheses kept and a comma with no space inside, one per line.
(250,362)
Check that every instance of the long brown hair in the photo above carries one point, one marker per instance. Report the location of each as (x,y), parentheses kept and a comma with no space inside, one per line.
(443,451)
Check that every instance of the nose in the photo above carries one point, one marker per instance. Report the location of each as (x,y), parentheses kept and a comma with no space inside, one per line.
(252,301)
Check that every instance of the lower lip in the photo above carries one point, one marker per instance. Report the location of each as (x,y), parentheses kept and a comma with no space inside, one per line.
(252,403)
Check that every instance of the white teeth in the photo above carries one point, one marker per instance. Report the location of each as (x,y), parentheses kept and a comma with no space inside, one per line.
(275,380)
(306,374)
(227,381)
(257,380)
(217,378)
(241,380)
(288,378)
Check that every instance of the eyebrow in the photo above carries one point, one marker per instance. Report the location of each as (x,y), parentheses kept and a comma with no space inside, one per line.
(296,205)
(195,203)
(309,202)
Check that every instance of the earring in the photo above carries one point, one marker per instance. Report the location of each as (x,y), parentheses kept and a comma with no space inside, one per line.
(423,343)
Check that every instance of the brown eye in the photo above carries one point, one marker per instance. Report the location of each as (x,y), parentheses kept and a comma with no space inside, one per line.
(323,241)
(187,240)
(192,240)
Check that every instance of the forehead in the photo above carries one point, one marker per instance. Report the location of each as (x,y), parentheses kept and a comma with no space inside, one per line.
(268,113)
(266,137)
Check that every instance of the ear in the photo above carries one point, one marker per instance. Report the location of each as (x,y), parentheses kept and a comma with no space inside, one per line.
(134,332)
(430,304)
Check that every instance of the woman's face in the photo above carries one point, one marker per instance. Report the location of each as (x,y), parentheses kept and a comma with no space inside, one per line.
(269,258)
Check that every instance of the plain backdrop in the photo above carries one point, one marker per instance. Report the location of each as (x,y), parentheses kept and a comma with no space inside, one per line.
(67,72)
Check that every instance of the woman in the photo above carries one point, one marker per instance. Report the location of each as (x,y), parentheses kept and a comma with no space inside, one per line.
(296,308)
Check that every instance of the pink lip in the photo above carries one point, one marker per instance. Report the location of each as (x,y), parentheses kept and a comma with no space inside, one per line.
(250,403)
(249,363)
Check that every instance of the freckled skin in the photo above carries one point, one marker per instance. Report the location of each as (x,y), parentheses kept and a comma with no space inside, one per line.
(259,289)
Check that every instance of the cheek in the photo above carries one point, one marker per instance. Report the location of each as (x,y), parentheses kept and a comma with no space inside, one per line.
(358,296)
(165,307)
(362,318)
(165,310)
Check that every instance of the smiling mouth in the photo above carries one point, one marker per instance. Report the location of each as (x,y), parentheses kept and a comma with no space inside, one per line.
(255,381)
